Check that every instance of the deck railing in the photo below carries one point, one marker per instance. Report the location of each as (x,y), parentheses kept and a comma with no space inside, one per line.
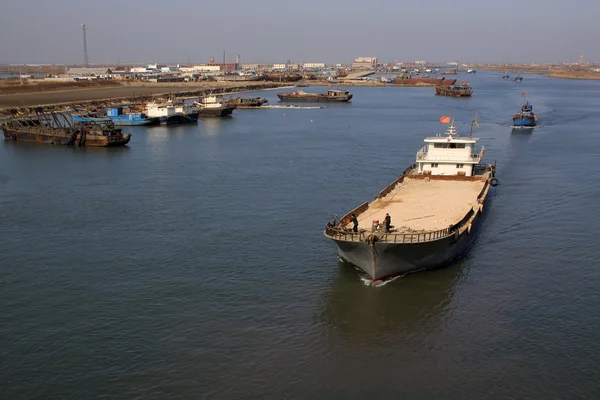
(340,233)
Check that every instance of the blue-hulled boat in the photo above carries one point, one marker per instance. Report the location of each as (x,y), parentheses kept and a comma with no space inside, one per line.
(117,116)
(526,118)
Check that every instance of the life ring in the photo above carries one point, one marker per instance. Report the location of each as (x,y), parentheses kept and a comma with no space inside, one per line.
(494,181)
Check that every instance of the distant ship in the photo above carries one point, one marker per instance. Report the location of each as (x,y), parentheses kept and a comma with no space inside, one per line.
(172,112)
(459,89)
(247,102)
(214,106)
(117,116)
(526,118)
(435,208)
(331,95)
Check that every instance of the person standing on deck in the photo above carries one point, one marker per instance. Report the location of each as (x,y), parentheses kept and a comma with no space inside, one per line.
(355,222)
(387,222)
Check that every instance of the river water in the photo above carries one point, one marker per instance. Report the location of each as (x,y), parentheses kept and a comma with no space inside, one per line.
(191,264)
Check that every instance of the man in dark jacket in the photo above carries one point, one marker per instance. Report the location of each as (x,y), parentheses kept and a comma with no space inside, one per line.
(355,222)
(387,222)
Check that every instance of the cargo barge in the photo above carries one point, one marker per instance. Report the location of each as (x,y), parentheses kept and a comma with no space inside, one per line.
(342,96)
(459,89)
(434,210)
(80,134)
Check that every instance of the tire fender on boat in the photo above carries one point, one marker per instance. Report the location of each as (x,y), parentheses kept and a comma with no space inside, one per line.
(494,182)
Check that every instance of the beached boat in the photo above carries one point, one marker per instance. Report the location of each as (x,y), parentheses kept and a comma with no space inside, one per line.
(172,112)
(332,95)
(247,102)
(282,77)
(459,89)
(214,106)
(435,208)
(526,118)
(118,116)
(79,134)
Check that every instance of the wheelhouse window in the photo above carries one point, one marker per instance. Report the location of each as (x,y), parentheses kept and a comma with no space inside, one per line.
(434,165)
(460,165)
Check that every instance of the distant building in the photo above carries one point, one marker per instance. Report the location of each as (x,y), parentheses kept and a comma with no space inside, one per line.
(250,66)
(202,68)
(224,67)
(364,62)
(313,65)
(279,66)
(293,67)
(90,73)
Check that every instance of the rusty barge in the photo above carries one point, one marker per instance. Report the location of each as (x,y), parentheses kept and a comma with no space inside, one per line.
(56,129)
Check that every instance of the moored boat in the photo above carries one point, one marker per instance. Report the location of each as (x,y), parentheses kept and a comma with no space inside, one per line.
(237,77)
(118,116)
(80,134)
(435,208)
(458,89)
(172,112)
(331,95)
(214,106)
(247,102)
(526,118)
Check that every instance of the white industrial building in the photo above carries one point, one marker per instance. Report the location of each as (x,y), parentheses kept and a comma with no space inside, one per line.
(313,65)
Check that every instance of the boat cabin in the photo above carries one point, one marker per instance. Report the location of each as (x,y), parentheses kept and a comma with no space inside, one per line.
(337,93)
(449,154)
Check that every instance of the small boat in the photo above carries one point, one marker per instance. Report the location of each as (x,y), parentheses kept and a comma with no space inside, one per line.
(526,118)
(333,95)
(471,71)
(518,78)
(247,102)
(458,89)
(506,75)
(214,106)
(171,112)
(117,116)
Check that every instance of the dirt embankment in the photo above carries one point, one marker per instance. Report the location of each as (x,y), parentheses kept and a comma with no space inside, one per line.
(562,72)
(8,86)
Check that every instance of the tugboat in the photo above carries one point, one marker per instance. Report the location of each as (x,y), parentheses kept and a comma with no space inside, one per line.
(214,106)
(435,207)
(459,89)
(247,102)
(526,118)
(342,96)
(86,134)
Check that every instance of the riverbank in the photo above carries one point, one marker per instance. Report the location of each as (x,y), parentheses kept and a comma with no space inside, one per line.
(559,72)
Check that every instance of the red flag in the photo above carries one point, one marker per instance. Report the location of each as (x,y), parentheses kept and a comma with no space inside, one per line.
(523,94)
(445,119)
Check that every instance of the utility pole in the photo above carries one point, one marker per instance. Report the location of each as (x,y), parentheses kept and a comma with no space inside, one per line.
(85,54)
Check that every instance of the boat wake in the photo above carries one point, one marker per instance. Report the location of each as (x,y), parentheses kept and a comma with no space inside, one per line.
(369,282)
(294,107)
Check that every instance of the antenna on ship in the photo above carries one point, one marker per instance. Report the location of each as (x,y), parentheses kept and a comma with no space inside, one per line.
(474,122)
(85,55)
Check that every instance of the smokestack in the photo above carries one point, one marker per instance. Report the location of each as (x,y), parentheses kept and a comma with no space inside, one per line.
(85,55)
(212,60)
(237,60)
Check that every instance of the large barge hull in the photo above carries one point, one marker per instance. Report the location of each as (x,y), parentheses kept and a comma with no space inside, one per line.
(385,260)
(48,138)
(216,112)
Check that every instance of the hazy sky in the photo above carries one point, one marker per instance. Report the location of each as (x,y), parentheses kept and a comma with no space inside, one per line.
(132,31)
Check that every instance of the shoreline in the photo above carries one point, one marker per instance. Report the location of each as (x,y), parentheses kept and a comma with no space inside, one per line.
(140,92)
(573,73)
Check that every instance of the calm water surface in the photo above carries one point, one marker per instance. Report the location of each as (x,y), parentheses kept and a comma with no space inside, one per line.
(191,264)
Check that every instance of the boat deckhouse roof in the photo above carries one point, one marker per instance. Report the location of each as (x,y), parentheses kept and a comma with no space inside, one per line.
(452,136)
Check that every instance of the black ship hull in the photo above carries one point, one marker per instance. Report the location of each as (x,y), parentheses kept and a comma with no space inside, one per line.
(313,99)
(381,261)
(216,112)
